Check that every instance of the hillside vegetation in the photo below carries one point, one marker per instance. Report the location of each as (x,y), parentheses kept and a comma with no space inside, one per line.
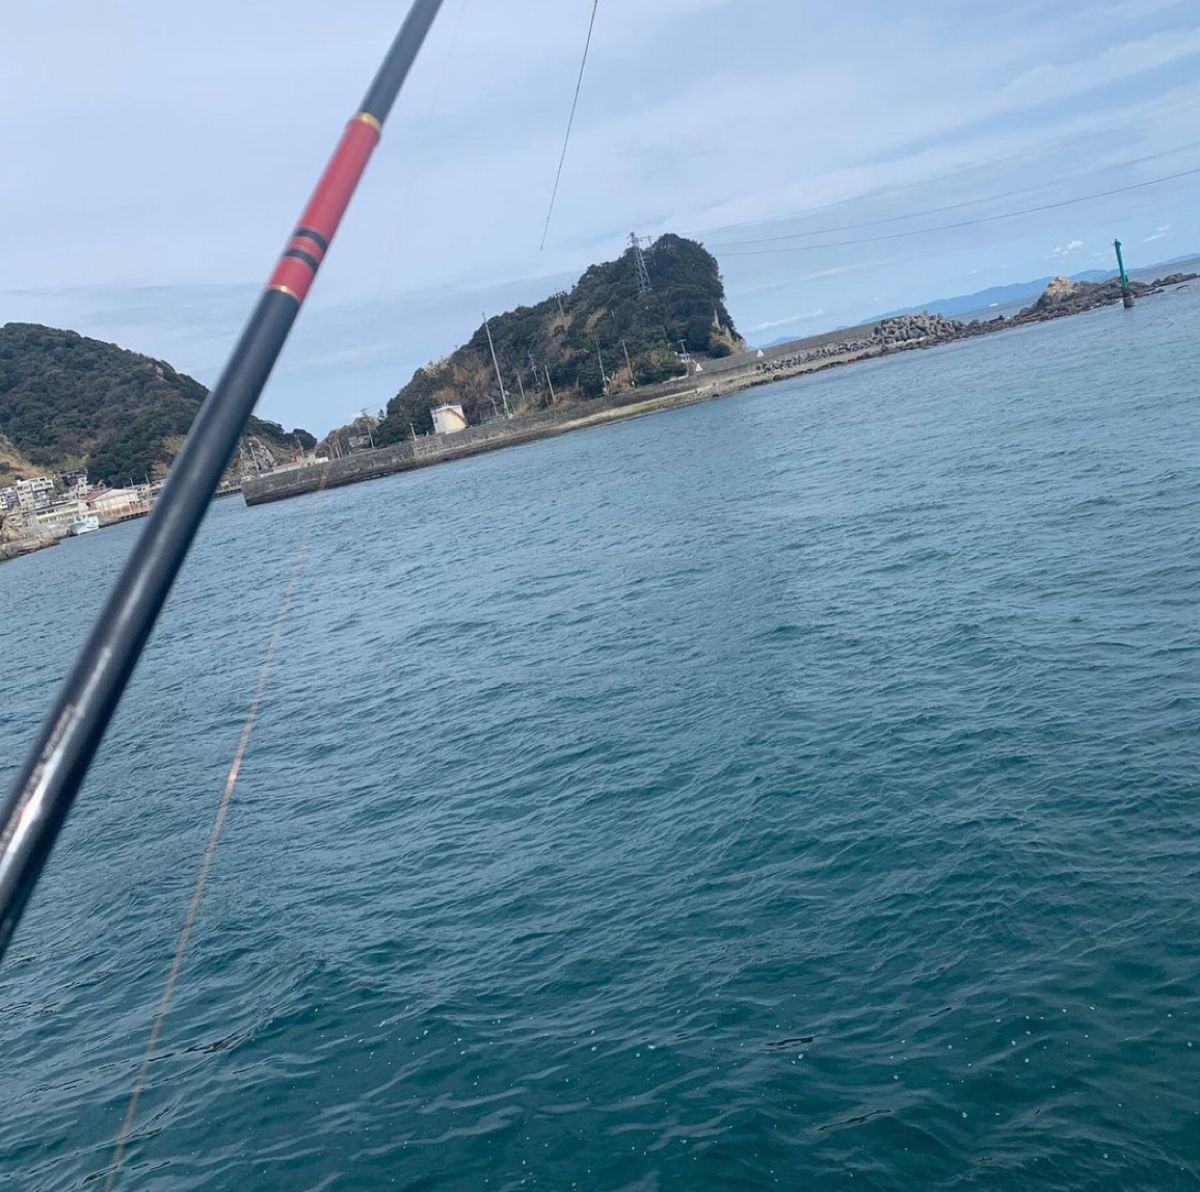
(69,401)
(13,465)
(568,334)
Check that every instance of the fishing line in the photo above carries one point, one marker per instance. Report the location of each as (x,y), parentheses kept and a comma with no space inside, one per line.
(1021,157)
(966,223)
(435,104)
(214,837)
(570,121)
(1007,194)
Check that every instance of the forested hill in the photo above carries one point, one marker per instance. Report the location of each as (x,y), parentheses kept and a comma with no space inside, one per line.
(69,401)
(569,333)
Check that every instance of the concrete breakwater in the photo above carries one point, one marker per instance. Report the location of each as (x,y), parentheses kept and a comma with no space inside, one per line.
(889,334)
(383,461)
(713,378)
(708,378)
(437,449)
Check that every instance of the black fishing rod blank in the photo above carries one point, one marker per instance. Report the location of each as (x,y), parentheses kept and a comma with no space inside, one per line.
(46,786)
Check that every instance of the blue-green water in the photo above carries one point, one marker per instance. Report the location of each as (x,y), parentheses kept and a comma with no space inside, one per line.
(798,790)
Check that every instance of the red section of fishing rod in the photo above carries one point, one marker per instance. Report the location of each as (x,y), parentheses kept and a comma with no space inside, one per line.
(308,245)
(47,784)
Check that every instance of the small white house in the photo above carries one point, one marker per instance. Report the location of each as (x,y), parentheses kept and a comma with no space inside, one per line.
(448,419)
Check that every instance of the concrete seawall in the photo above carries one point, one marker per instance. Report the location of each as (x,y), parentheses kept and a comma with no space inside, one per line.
(723,375)
(383,461)
(715,378)
(438,449)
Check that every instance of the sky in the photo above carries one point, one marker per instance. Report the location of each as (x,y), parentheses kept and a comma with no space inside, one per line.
(156,155)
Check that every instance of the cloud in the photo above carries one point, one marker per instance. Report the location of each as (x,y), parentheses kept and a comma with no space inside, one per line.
(1161,231)
(1058,80)
(895,112)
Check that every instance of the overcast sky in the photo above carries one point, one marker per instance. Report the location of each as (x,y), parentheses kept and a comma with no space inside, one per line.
(156,154)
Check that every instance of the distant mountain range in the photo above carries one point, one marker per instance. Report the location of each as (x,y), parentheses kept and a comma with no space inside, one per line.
(982,301)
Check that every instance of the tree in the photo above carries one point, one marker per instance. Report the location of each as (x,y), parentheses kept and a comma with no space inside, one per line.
(66,400)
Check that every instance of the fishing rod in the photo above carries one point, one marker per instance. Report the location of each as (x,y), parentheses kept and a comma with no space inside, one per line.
(46,786)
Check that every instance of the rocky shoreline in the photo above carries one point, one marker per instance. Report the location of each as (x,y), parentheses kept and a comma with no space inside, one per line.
(18,547)
(13,545)
(1062,297)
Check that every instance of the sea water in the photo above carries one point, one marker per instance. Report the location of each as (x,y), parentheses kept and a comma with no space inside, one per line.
(796,790)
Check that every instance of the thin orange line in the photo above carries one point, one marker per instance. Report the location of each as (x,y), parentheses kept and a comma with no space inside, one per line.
(206,861)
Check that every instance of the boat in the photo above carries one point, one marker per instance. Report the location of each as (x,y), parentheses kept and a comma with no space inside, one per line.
(84,524)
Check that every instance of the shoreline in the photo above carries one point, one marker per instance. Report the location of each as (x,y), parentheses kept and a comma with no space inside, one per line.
(19,547)
(730,379)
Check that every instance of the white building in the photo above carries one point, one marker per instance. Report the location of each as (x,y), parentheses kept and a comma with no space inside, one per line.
(448,419)
(74,483)
(9,499)
(55,520)
(36,493)
(111,504)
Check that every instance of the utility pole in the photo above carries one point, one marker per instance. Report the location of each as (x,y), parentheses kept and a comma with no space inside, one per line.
(521,386)
(558,299)
(550,383)
(412,432)
(628,365)
(535,376)
(1126,295)
(367,423)
(603,374)
(496,366)
(639,263)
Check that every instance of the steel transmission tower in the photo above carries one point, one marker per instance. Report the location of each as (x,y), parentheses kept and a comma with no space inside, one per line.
(639,261)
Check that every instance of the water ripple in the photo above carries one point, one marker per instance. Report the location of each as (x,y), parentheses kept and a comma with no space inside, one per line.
(797,790)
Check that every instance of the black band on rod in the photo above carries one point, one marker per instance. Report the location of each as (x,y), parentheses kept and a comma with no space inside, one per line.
(315,237)
(49,780)
(300,255)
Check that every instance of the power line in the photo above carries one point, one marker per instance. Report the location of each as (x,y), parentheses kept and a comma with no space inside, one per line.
(570,121)
(1007,194)
(965,223)
(1022,156)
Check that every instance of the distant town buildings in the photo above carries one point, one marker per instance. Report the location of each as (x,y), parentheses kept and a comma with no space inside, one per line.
(34,494)
(47,507)
(113,504)
(73,483)
(54,521)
